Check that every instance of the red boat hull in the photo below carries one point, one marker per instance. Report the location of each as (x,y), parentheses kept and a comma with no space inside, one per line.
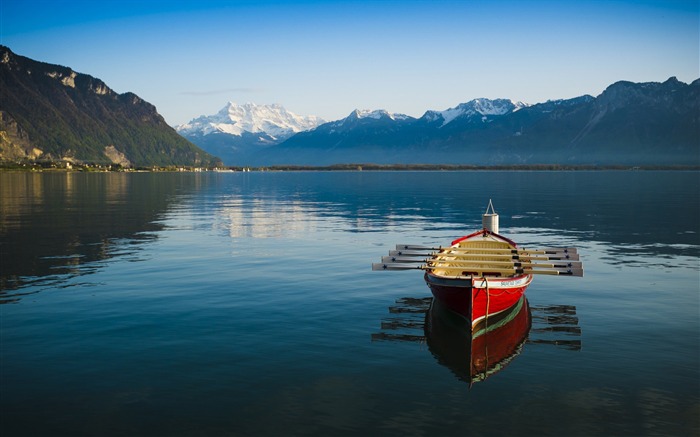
(475,298)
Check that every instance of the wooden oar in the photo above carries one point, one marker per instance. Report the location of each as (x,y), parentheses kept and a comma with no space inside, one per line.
(542,251)
(481,269)
(439,262)
(412,254)
(507,265)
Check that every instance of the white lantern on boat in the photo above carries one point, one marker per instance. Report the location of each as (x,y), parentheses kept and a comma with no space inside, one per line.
(489,220)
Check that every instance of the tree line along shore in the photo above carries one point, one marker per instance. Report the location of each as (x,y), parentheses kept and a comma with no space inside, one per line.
(85,167)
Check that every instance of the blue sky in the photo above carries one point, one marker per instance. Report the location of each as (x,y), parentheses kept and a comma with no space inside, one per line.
(328,58)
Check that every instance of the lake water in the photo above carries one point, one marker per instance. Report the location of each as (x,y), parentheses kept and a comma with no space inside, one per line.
(244,304)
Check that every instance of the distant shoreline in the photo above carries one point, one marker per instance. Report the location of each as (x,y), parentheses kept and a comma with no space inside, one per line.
(63,167)
(465,167)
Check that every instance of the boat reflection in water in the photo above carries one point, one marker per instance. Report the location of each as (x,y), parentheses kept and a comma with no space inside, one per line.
(474,355)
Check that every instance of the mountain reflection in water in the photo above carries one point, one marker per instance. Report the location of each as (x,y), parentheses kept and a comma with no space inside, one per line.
(54,227)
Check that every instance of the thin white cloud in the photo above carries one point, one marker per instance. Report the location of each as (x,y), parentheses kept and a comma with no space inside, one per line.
(221,91)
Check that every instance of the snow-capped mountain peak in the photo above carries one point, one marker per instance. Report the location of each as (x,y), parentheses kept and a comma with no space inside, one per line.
(368,113)
(477,107)
(376,114)
(234,119)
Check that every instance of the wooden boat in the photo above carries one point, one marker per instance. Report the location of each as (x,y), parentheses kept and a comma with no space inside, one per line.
(475,356)
(482,274)
(481,287)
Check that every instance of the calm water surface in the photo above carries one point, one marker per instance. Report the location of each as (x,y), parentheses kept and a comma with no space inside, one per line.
(244,304)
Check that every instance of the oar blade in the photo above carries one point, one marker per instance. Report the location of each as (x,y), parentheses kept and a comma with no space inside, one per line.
(557,264)
(419,247)
(394,266)
(564,256)
(403,259)
(410,253)
(560,249)
(564,272)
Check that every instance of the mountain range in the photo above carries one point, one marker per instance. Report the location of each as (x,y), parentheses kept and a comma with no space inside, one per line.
(629,123)
(52,113)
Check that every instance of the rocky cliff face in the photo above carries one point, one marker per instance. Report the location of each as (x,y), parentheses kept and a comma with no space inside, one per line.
(50,112)
(14,141)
